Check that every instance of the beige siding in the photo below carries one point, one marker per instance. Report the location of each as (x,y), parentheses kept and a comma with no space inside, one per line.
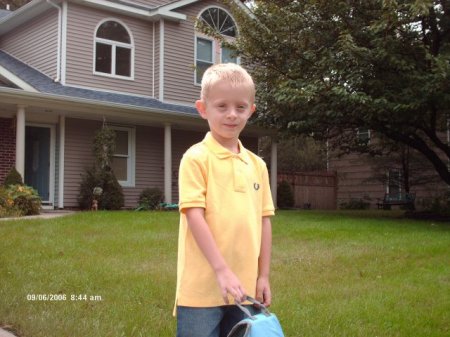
(78,156)
(181,141)
(149,164)
(179,58)
(81,26)
(35,43)
(353,178)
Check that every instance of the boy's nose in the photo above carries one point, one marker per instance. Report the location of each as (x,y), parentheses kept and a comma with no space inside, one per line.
(232,113)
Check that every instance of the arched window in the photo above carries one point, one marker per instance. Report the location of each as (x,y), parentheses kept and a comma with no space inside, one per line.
(113,50)
(206,48)
(219,20)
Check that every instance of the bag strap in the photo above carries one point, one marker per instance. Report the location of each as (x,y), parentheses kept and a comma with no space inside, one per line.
(260,306)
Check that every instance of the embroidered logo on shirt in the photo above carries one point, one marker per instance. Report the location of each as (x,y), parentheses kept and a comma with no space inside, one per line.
(256,186)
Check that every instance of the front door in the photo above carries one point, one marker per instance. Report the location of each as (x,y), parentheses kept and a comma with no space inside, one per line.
(38,160)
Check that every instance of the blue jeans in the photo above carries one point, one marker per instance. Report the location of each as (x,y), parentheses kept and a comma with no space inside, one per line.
(208,322)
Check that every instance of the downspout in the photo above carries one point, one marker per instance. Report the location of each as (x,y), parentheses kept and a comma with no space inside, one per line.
(58,58)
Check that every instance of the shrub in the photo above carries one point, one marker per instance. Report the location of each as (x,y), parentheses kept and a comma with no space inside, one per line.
(439,205)
(13,178)
(285,196)
(355,204)
(19,200)
(111,197)
(150,198)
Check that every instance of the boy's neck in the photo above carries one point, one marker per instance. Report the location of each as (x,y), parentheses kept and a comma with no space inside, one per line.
(229,144)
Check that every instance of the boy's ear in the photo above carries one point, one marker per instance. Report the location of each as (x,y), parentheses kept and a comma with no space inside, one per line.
(253,108)
(201,108)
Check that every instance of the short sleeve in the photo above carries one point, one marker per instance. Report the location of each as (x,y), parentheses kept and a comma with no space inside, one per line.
(192,183)
(268,208)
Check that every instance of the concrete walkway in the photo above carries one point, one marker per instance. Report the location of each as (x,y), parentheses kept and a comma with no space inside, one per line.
(45,214)
(4,333)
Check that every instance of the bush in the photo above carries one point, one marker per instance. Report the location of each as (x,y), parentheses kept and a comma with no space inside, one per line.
(95,180)
(13,178)
(150,198)
(439,205)
(355,204)
(285,196)
(19,200)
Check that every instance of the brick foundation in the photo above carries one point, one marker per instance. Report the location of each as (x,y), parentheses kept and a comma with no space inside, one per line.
(7,146)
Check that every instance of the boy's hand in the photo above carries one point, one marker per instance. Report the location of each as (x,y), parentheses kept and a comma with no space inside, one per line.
(263,293)
(230,284)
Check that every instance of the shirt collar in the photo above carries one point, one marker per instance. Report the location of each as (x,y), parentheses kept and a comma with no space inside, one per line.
(222,152)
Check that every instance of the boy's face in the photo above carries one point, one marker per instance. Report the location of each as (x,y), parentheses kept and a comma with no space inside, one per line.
(227,109)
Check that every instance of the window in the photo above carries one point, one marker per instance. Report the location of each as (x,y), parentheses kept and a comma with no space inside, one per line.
(113,50)
(204,57)
(394,183)
(229,55)
(363,136)
(124,159)
(220,21)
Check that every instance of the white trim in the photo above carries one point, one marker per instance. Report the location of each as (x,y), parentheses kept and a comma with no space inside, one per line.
(62,144)
(114,45)
(153,61)
(123,8)
(177,4)
(133,11)
(58,51)
(168,163)
(64,43)
(20,140)
(9,76)
(161,60)
(131,158)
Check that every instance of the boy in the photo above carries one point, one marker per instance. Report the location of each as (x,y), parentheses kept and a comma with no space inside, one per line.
(225,203)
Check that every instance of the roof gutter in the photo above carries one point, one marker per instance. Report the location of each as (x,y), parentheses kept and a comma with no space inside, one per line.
(76,104)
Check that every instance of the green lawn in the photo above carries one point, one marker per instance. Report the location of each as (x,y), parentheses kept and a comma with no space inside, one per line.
(333,274)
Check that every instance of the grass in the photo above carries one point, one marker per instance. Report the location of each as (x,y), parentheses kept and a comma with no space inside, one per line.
(333,274)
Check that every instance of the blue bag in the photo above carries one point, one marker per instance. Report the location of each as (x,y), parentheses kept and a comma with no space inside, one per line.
(264,324)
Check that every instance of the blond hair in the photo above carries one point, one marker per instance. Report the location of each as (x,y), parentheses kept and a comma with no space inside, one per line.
(230,72)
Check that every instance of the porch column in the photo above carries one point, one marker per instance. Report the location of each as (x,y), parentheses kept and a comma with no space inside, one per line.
(274,170)
(168,163)
(20,141)
(62,140)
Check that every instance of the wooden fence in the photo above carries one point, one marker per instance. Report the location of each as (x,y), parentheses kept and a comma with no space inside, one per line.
(315,190)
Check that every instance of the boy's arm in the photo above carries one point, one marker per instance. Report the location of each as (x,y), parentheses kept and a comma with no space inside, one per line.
(263,293)
(228,281)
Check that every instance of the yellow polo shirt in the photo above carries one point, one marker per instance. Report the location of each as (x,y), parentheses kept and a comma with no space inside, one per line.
(235,193)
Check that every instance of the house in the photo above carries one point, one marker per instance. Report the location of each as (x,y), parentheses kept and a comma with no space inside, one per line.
(361,177)
(68,65)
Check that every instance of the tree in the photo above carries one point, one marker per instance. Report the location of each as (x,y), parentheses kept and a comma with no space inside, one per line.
(327,68)
(99,182)
(297,153)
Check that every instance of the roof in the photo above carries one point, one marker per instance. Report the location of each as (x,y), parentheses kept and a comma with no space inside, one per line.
(45,84)
(4,13)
